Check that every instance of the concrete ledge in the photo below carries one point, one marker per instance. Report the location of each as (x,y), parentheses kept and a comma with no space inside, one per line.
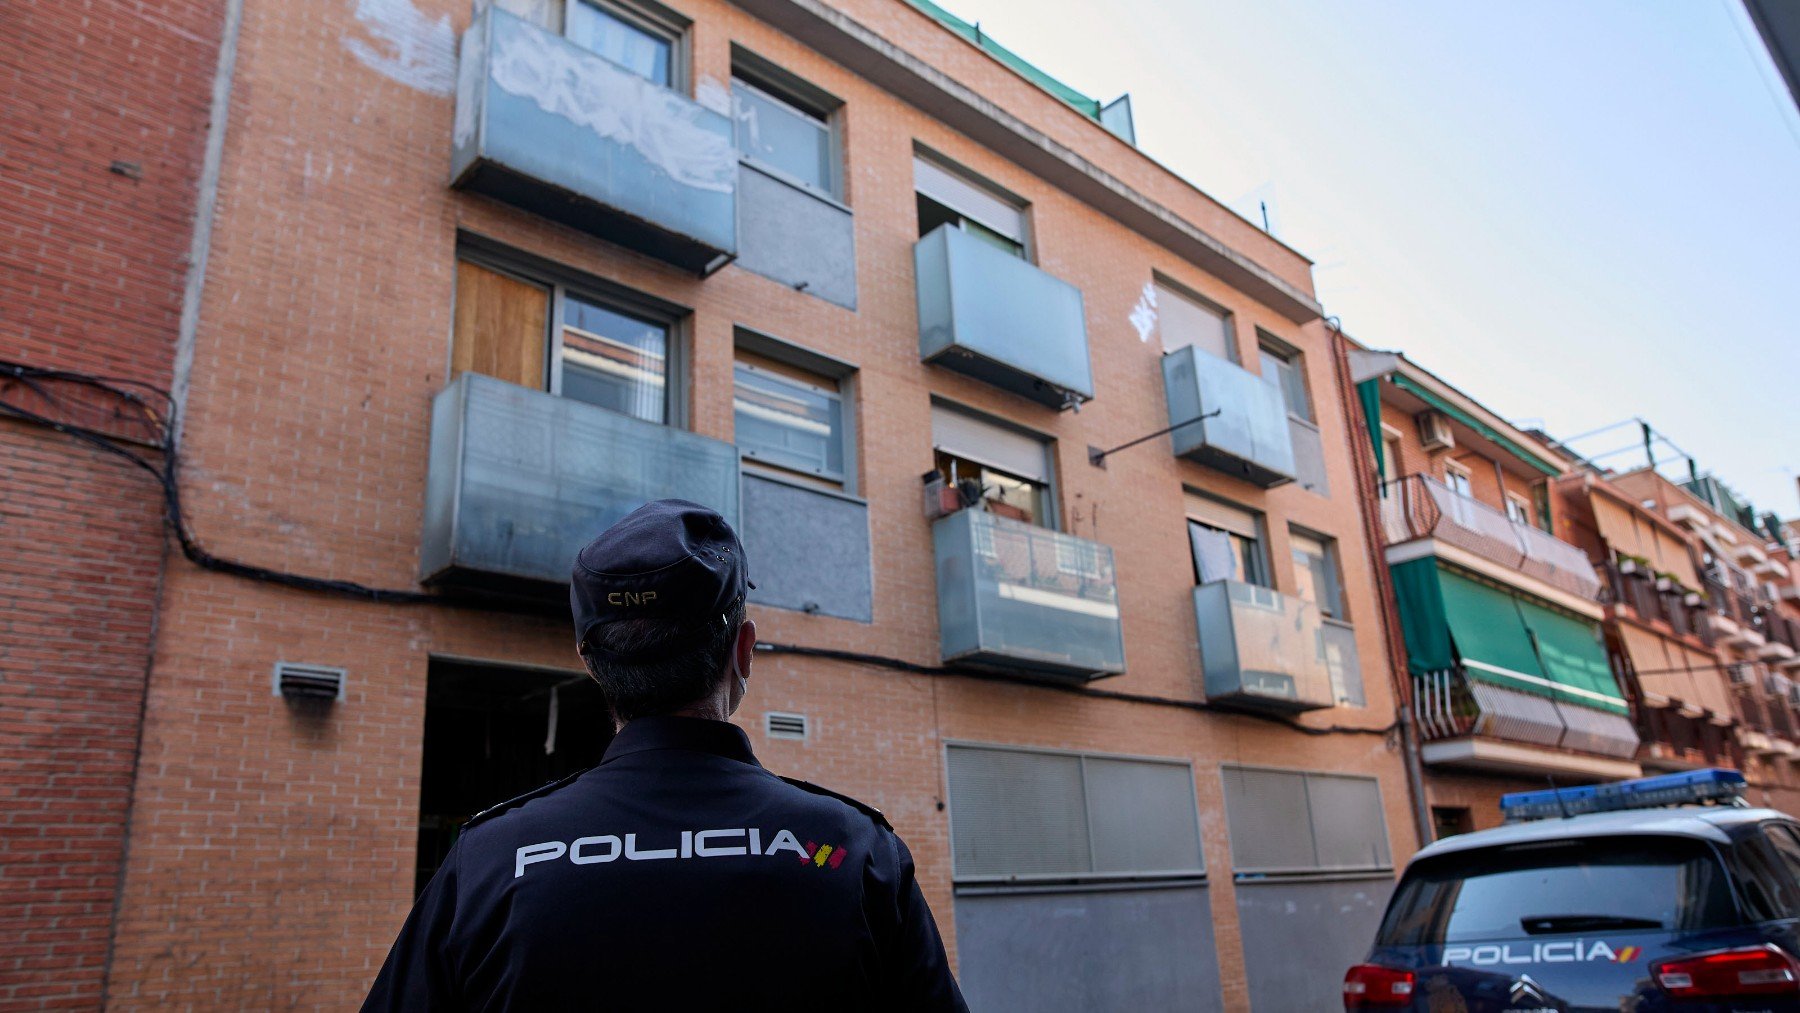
(1513,758)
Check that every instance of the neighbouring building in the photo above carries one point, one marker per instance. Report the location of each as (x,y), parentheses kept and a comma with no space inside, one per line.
(1045,460)
(1746,595)
(1510,683)
(103,137)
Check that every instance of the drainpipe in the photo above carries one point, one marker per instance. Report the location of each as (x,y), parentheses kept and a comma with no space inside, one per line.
(1362,469)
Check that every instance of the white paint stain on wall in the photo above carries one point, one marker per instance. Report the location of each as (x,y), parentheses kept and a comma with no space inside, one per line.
(1143,315)
(404,44)
(616,104)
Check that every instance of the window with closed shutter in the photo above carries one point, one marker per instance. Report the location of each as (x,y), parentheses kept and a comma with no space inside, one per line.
(501,326)
(1289,821)
(1048,815)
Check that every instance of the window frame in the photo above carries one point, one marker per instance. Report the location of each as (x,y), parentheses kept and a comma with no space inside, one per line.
(1161,283)
(806,360)
(1392,440)
(832,394)
(1454,470)
(561,280)
(1027,246)
(1050,486)
(1264,578)
(650,18)
(1295,360)
(1513,499)
(1333,562)
(787,89)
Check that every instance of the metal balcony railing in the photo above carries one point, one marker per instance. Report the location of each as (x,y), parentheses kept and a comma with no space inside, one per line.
(1417,506)
(1639,593)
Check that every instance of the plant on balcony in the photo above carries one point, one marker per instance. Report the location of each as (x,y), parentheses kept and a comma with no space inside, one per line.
(1693,599)
(1629,563)
(1666,581)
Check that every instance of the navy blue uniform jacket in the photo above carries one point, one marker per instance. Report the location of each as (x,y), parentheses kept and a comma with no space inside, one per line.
(678,874)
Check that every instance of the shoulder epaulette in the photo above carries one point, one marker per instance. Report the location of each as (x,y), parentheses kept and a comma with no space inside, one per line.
(513,803)
(863,807)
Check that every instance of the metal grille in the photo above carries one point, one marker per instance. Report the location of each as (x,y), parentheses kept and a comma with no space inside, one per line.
(1295,821)
(308,682)
(1032,814)
(779,725)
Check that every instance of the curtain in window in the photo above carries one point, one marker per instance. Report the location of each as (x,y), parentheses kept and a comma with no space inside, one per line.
(1215,557)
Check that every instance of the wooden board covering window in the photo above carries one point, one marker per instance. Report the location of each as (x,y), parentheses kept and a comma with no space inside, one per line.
(501,324)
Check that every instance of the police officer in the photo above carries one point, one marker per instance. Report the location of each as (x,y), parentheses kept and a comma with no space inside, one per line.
(678,874)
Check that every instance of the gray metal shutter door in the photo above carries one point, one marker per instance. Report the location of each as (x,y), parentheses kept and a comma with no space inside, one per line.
(1348,822)
(1266,812)
(1010,451)
(1014,813)
(1142,816)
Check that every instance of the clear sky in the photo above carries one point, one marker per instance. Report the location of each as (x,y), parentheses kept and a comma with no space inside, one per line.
(1577,212)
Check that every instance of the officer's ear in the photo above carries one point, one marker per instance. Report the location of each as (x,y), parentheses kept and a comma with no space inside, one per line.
(744,651)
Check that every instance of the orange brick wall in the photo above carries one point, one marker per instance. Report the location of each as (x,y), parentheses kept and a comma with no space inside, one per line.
(272,853)
(1484,483)
(92,264)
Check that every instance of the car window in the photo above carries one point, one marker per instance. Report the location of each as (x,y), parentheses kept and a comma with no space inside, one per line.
(1768,871)
(1559,887)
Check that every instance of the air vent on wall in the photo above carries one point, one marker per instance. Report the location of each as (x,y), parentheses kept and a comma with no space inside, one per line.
(316,683)
(777,725)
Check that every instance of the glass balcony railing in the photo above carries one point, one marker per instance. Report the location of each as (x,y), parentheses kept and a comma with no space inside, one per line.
(1416,506)
(1235,421)
(519,480)
(1265,650)
(1000,319)
(548,126)
(1015,596)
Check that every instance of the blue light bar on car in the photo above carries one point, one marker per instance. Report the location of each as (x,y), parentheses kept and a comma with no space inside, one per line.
(1693,787)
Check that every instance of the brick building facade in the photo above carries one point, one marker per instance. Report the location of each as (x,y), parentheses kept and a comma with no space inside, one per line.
(338,424)
(104,132)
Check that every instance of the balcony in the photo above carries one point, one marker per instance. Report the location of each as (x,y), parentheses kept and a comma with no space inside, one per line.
(993,316)
(1417,506)
(1471,724)
(1248,438)
(1268,651)
(1024,598)
(519,480)
(1638,592)
(550,127)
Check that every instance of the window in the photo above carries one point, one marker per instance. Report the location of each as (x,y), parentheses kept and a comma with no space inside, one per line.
(1518,509)
(1006,471)
(1459,479)
(784,124)
(1287,821)
(636,40)
(1185,320)
(564,337)
(1316,571)
(1390,460)
(1558,890)
(789,419)
(1226,541)
(1448,821)
(1282,367)
(948,197)
(1018,813)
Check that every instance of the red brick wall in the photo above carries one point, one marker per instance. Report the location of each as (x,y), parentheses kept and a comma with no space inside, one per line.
(92,264)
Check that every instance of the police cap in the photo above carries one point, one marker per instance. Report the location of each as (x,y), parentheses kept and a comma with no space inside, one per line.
(668,559)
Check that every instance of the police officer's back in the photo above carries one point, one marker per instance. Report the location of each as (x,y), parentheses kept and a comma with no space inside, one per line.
(678,873)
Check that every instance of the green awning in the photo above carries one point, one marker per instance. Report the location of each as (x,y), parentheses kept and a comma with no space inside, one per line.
(1501,637)
(1573,657)
(1490,635)
(1426,395)
(1422,620)
(1369,393)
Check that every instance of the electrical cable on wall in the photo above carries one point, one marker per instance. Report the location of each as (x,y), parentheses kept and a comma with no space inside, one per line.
(39,381)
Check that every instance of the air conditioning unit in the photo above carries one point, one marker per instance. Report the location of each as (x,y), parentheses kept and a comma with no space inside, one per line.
(1741,673)
(1434,431)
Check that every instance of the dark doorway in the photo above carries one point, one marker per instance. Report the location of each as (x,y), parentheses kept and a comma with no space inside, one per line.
(490,735)
(1450,820)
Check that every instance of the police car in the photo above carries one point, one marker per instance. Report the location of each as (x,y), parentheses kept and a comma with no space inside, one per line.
(1659,894)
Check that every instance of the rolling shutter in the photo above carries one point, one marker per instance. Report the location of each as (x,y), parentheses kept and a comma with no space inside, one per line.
(1007,450)
(968,199)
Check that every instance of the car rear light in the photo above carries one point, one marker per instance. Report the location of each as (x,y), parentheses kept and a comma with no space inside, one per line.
(1371,986)
(1750,970)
